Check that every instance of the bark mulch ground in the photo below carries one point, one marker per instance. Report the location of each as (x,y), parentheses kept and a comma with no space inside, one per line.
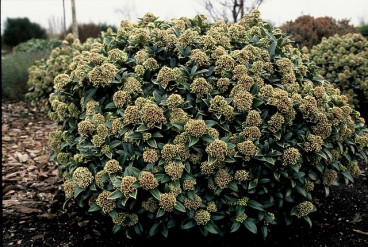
(33,215)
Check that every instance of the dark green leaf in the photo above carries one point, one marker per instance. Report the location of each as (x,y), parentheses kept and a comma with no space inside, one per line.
(160,213)
(116,228)
(154,229)
(323,155)
(138,228)
(307,219)
(114,144)
(135,136)
(89,95)
(235,227)
(256,205)
(264,231)
(230,160)
(191,195)
(327,191)
(254,89)
(155,193)
(94,208)
(257,103)
(77,191)
(193,140)
(164,230)
(232,185)
(188,224)
(152,143)
(110,105)
(212,227)
(113,214)
(157,134)
(301,191)
(210,123)
(115,195)
(272,49)
(348,176)
(207,138)
(179,126)
(211,160)
(142,127)
(249,224)
(194,69)
(363,154)
(179,206)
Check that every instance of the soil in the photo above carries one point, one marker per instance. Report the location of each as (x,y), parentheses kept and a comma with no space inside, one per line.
(33,216)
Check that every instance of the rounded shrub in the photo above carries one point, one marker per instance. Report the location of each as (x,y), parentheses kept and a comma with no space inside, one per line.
(343,60)
(309,31)
(185,124)
(18,30)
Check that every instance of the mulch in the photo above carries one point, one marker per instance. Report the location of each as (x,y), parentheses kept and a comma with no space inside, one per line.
(33,198)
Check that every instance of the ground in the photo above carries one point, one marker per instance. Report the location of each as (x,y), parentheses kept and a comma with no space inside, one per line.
(33,215)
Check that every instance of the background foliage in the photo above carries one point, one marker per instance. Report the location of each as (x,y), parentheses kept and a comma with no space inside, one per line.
(14,73)
(309,31)
(343,60)
(18,30)
(89,30)
(33,45)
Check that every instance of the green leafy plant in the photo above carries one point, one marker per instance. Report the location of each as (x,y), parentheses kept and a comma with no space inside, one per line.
(37,45)
(343,60)
(14,68)
(219,127)
(363,29)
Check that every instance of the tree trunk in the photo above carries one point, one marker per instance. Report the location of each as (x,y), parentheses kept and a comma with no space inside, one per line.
(64,31)
(74,19)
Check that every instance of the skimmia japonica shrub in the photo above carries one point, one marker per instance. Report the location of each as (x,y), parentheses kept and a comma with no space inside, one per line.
(41,75)
(185,124)
(343,60)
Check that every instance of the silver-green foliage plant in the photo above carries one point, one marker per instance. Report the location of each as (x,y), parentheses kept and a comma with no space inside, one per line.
(37,45)
(343,60)
(188,124)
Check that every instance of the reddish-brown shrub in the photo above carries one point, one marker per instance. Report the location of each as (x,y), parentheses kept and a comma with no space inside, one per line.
(308,31)
(89,30)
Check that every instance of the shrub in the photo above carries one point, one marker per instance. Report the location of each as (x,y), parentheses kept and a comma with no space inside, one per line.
(42,73)
(309,31)
(14,72)
(89,30)
(190,125)
(37,45)
(18,30)
(363,30)
(343,60)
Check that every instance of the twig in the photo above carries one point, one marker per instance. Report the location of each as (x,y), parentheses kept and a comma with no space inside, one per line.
(361,232)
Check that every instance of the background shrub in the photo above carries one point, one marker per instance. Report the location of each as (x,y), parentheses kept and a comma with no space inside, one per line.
(309,31)
(343,60)
(18,30)
(187,124)
(363,29)
(89,30)
(14,72)
(41,74)
(37,45)
(16,64)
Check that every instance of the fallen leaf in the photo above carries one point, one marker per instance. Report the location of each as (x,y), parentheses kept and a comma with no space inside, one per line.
(21,157)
